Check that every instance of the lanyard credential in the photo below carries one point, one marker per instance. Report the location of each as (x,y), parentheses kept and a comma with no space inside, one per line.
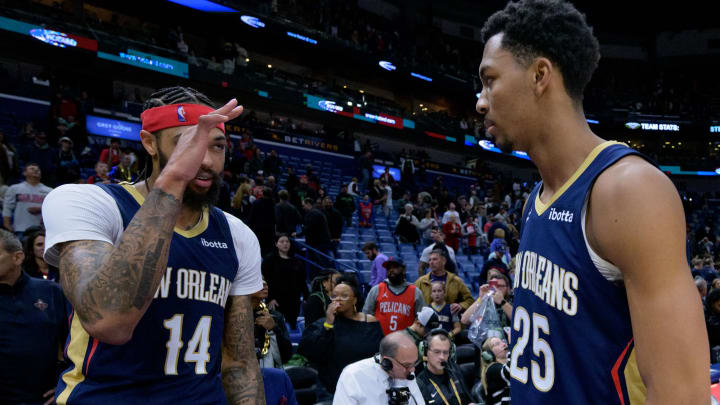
(442,396)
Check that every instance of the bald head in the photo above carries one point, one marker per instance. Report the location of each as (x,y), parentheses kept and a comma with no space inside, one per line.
(401,349)
(393,342)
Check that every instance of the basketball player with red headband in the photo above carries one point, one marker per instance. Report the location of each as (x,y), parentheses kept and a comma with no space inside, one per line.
(159,278)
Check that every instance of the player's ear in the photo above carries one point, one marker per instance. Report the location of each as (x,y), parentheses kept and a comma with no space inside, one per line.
(542,71)
(150,142)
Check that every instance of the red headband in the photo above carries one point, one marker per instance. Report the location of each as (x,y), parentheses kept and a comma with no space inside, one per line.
(174,115)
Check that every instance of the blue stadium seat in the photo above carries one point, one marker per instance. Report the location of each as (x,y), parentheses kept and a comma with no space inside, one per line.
(365,276)
(346,262)
(364,265)
(347,254)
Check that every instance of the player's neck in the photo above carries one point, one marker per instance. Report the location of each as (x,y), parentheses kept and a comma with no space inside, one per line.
(560,148)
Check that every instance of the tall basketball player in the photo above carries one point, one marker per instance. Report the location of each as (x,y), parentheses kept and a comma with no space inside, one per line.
(158,278)
(605,311)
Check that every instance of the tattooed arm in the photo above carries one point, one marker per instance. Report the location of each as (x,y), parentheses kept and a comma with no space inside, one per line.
(110,287)
(240,369)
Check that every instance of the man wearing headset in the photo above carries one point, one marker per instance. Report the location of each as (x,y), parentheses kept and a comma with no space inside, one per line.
(440,382)
(371,381)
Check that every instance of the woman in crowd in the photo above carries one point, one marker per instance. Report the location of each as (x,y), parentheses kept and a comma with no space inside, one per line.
(406,226)
(426,225)
(241,202)
(34,264)
(317,303)
(453,232)
(494,373)
(285,275)
(345,335)
(272,339)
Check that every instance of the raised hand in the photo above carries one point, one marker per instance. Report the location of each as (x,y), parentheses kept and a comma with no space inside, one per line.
(185,161)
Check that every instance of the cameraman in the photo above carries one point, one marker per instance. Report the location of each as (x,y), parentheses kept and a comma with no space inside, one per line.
(441,382)
(385,378)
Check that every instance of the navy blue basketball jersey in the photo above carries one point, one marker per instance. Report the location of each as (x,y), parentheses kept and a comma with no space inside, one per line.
(445,317)
(175,352)
(572,340)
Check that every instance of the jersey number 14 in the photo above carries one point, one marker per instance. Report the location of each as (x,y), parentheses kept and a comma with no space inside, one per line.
(198,346)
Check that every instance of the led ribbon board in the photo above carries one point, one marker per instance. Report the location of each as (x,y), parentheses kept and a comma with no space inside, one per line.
(204,5)
(387,65)
(421,77)
(149,61)
(653,126)
(302,37)
(55,38)
(113,128)
(489,146)
(317,103)
(252,21)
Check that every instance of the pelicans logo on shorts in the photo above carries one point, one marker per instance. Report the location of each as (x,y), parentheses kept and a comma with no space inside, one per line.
(181,114)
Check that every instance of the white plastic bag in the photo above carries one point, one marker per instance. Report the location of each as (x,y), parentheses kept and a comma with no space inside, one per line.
(485,322)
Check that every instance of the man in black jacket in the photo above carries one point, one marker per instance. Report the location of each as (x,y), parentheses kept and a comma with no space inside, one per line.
(335,222)
(287,217)
(262,221)
(317,233)
(345,203)
(441,381)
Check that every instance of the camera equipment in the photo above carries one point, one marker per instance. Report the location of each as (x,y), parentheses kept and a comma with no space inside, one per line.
(398,395)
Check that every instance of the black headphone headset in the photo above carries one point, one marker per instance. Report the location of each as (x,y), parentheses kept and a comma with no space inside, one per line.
(425,344)
(387,365)
(488,356)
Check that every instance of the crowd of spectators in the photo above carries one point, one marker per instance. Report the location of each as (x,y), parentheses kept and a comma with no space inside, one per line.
(335,305)
(343,321)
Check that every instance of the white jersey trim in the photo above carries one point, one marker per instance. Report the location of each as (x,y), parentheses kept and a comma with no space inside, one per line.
(86,212)
(608,270)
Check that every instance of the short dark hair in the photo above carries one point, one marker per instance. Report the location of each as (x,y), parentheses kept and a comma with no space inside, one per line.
(9,242)
(283,195)
(500,276)
(431,336)
(554,29)
(309,201)
(267,192)
(350,280)
(369,246)
(439,252)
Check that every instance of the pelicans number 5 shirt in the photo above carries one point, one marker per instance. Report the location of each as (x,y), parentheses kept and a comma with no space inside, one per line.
(174,354)
(571,333)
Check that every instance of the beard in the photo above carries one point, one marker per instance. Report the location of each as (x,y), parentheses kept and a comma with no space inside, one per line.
(396,279)
(193,199)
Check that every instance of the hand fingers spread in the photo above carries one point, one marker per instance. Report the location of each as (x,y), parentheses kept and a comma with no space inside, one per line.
(224,110)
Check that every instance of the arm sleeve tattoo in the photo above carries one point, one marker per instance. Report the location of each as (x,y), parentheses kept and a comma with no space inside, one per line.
(102,280)
(240,369)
